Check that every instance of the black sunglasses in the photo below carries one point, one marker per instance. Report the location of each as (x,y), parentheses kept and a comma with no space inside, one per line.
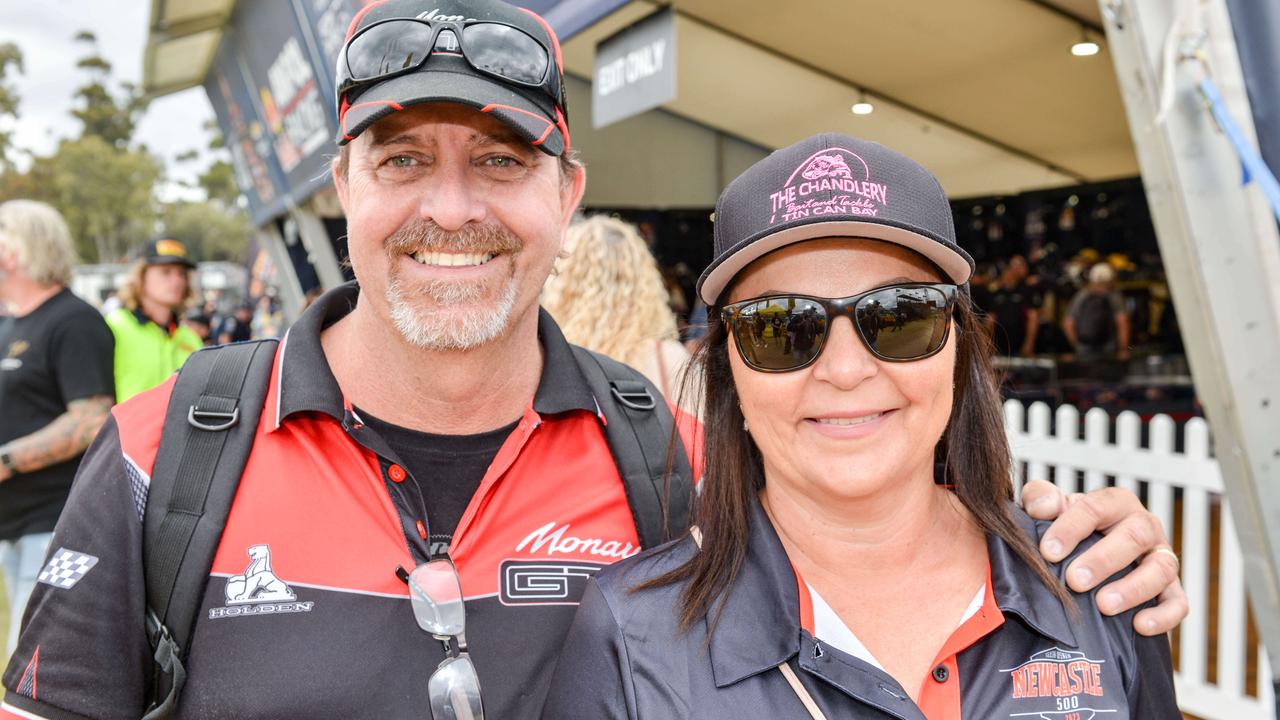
(897,323)
(399,46)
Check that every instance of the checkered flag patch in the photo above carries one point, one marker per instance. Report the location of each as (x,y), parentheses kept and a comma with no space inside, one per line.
(66,567)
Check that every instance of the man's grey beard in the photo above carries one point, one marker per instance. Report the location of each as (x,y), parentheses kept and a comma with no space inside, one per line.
(447,327)
(455,317)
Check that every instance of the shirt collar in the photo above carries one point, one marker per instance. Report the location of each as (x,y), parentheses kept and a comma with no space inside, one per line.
(1020,591)
(759,624)
(305,380)
(307,383)
(758,618)
(144,318)
(562,387)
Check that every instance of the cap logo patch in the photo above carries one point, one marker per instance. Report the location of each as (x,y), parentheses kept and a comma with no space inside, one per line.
(834,181)
(171,248)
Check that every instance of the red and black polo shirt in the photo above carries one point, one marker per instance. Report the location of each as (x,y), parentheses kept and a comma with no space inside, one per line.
(304,614)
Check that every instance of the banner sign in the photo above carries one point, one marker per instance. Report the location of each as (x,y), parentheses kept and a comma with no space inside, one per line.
(271,87)
(635,69)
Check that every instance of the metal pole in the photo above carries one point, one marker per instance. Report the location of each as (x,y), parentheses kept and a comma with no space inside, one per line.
(1222,255)
(291,296)
(315,238)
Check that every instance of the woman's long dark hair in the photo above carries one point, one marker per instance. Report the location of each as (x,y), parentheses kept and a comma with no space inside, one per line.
(973,450)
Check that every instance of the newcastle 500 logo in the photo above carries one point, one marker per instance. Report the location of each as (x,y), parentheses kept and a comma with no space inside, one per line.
(258,591)
(830,181)
(1056,673)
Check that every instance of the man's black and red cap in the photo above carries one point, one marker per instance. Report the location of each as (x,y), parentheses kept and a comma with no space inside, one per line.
(165,252)
(831,185)
(537,114)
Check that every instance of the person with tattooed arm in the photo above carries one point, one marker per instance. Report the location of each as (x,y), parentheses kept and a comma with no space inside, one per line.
(56,390)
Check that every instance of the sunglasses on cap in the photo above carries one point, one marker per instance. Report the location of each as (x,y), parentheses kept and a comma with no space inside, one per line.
(897,323)
(399,46)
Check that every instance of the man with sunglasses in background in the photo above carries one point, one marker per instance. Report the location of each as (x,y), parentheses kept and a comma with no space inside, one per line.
(427,434)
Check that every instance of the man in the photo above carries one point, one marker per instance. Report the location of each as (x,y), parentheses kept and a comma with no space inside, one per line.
(55,390)
(151,341)
(431,408)
(1012,307)
(237,328)
(199,322)
(1097,324)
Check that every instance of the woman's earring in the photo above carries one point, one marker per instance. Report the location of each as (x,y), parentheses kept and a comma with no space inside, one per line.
(744,426)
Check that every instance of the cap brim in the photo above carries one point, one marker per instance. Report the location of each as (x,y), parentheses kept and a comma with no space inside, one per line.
(957,266)
(171,260)
(535,124)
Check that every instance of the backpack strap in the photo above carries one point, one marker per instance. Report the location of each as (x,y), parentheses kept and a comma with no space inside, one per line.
(208,432)
(641,434)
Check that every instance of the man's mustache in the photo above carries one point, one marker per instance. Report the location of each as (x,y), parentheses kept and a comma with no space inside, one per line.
(419,235)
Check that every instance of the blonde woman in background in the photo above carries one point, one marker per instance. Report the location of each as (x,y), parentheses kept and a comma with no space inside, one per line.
(607,295)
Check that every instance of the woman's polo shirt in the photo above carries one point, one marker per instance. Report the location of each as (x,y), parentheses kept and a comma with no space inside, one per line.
(1019,654)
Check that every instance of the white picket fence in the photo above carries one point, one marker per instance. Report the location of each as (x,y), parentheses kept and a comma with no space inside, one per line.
(1043,440)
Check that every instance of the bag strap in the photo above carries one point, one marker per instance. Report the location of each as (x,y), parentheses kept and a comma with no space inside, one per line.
(639,430)
(801,692)
(209,429)
(806,699)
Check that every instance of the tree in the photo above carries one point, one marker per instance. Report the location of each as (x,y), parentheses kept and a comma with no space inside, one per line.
(210,230)
(102,113)
(219,183)
(10,57)
(105,194)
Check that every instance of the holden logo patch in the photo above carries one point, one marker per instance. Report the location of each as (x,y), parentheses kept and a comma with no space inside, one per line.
(258,590)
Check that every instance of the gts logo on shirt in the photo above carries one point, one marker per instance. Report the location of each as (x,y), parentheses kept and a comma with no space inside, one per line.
(541,582)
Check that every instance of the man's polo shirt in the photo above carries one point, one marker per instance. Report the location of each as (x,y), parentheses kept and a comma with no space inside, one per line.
(147,354)
(304,614)
(1019,654)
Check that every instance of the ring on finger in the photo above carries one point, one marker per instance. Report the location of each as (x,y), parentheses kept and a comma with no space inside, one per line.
(1166,550)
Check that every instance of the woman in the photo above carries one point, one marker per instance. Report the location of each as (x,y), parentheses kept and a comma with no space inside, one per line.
(608,295)
(836,576)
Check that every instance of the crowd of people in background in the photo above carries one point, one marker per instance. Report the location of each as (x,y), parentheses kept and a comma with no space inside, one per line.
(63,364)
(1084,311)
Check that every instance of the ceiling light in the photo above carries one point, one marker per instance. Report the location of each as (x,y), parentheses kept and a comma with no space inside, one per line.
(1084,47)
(862,107)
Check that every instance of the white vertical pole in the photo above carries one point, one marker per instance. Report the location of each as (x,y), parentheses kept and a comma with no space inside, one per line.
(1067,427)
(1128,431)
(1097,426)
(1014,429)
(1038,432)
(1220,247)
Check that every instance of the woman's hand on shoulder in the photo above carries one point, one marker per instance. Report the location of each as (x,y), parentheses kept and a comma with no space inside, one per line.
(1132,533)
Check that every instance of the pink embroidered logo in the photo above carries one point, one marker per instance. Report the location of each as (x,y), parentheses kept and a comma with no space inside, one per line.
(830,182)
(827,166)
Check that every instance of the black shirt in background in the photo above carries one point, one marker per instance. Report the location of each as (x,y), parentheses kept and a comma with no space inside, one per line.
(59,352)
(1008,305)
(447,468)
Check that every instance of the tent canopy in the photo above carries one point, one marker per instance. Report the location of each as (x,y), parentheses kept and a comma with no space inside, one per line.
(986,94)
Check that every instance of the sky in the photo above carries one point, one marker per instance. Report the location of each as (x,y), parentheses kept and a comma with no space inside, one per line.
(43,30)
